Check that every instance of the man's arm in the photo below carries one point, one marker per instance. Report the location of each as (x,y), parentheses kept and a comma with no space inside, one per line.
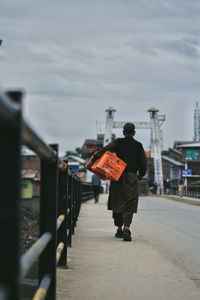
(110,147)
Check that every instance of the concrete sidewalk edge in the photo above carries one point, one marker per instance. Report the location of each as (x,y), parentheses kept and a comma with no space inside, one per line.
(183,199)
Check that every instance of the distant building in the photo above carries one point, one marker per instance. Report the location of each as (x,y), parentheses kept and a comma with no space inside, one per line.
(191,159)
(30,184)
(30,174)
(89,146)
(77,165)
(172,165)
(177,143)
(172,168)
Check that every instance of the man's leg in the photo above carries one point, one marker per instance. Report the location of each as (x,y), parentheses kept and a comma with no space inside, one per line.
(98,193)
(95,193)
(127,216)
(118,221)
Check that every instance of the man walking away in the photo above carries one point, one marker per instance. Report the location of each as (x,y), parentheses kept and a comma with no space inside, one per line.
(123,194)
(96,184)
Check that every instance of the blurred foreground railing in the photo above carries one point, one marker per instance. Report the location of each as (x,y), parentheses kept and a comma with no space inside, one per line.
(61,194)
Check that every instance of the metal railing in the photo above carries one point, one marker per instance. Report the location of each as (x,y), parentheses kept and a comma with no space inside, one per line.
(193,192)
(61,194)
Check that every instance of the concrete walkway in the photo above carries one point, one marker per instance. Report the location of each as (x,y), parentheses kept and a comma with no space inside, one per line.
(103,267)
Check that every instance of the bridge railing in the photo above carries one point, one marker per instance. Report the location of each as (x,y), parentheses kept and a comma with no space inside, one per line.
(61,194)
(193,192)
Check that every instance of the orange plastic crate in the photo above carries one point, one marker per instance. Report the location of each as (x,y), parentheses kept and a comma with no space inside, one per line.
(93,168)
(98,172)
(111,166)
(108,167)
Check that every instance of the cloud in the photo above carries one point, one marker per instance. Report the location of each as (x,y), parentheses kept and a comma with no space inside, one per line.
(77,59)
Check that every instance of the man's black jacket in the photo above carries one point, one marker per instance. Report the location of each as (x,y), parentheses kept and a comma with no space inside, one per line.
(130,151)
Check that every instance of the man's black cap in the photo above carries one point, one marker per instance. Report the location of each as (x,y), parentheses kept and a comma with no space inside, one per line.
(129,128)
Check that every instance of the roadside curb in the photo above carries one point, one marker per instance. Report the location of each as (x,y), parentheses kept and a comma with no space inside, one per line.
(187,200)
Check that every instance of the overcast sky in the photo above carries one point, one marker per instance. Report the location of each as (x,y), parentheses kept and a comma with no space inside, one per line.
(77,58)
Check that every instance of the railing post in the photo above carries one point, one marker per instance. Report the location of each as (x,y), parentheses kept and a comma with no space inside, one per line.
(62,209)
(10,164)
(78,200)
(48,220)
(69,216)
(73,203)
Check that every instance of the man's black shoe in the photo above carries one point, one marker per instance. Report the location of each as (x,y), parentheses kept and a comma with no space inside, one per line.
(127,235)
(119,233)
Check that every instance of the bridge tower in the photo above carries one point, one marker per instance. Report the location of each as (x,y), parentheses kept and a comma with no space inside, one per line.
(156,138)
(155,145)
(197,123)
(109,125)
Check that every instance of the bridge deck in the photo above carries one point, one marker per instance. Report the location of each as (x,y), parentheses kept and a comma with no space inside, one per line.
(103,267)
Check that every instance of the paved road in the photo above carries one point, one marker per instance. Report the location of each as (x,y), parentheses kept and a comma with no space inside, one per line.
(174,229)
(161,263)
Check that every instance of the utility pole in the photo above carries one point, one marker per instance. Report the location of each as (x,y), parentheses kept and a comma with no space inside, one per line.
(197,123)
